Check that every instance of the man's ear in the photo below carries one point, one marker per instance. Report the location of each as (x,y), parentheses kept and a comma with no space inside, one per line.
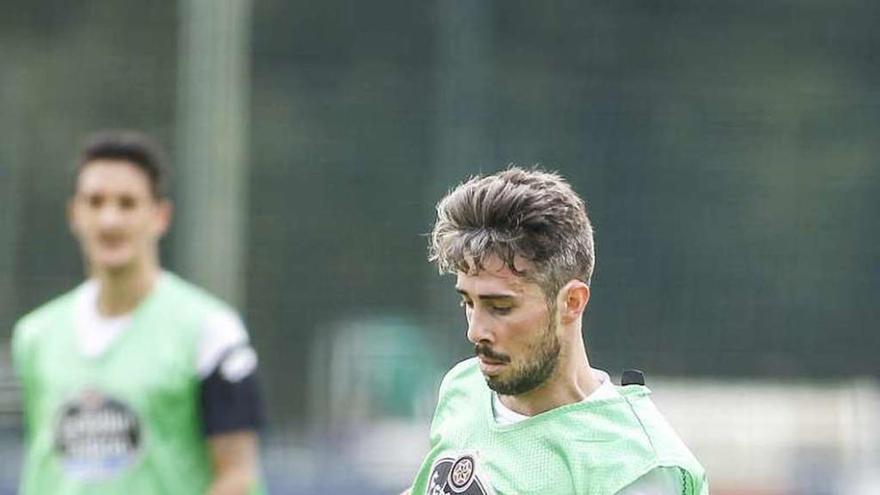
(71,215)
(572,300)
(165,212)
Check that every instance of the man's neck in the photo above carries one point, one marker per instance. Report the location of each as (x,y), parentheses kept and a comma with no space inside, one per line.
(573,381)
(123,290)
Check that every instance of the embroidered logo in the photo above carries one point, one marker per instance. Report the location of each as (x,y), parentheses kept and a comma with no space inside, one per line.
(97,436)
(457,475)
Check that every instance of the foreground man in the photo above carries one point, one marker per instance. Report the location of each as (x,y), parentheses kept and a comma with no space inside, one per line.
(528,414)
(135,382)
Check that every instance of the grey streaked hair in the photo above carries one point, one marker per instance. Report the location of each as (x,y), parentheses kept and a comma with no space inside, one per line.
(531,214)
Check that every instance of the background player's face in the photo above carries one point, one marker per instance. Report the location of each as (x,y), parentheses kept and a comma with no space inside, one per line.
(512,327)
(115,217)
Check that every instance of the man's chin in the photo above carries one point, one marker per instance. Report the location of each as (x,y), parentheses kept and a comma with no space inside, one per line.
(518,386)
(112,265)
(500,386)
(493,383)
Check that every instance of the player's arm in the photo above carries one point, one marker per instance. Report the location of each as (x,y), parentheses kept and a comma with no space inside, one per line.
(231,408)
(235,459)
(408,491)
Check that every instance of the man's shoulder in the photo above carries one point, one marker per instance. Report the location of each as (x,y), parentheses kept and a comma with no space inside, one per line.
(216,325)
(39,324)
(458,396)
(465,372)
(41,317)
(667,444)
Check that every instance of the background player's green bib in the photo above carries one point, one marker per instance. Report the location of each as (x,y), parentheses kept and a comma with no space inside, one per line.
(126,421)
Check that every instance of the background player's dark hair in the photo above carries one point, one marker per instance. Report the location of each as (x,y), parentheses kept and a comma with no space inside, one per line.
(134,147)
(532,214)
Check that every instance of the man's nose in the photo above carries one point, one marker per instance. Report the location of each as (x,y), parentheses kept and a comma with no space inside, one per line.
(479,329)
(109,215)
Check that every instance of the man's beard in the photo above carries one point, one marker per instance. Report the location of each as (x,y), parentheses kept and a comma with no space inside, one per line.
(540,365)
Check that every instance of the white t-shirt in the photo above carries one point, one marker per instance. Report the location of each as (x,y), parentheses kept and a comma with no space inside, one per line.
(659,481)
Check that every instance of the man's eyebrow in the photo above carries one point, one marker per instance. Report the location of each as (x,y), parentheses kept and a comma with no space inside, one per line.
(487,297)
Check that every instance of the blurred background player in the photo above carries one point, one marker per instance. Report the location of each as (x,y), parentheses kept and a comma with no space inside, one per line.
(529,414)
(135,382)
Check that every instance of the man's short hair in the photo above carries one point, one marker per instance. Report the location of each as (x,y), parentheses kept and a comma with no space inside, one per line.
(133,147)
(531,214)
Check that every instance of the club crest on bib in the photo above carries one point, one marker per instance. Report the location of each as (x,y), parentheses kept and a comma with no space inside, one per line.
(458,475)
(96,436)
